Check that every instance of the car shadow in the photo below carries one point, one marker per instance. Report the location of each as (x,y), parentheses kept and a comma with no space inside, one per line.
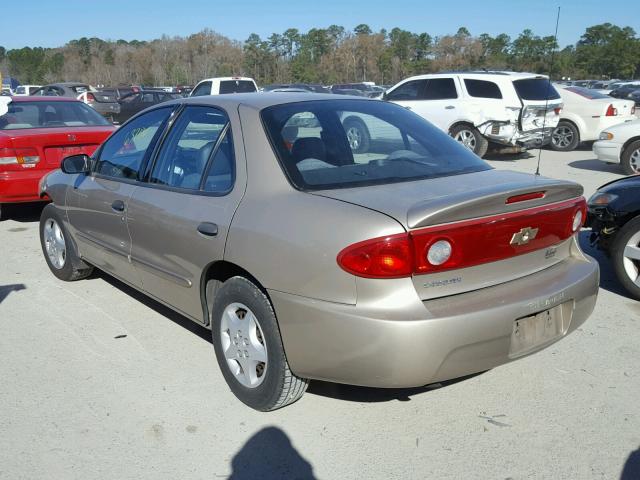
(353,393)
(5,290)
(494,155)
(631,469)
(608,279)
(154,305)
(336,391)
(595,165)
(22,212)
(269,454)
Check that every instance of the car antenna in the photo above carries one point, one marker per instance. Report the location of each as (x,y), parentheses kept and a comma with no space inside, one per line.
(546,102)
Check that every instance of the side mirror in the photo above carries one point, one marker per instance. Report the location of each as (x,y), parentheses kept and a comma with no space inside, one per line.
(384,96)
(76,164)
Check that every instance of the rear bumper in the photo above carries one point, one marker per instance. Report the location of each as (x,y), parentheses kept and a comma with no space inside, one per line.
(607,151)
(451,337)
(535,138)
(21,186)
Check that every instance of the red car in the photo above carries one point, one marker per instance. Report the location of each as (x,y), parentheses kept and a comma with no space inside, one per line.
(36,133)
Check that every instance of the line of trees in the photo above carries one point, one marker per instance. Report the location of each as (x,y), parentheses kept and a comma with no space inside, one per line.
(323,55)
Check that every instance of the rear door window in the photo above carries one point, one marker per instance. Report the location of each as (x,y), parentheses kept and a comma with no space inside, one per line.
(189,147)
(440,89)
(237,86)
(411,90)
(482,88)
(535,89)
(203,89)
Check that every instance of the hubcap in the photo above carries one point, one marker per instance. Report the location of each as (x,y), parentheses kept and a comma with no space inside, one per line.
(243,345)
(634,160)
(562,137)
(355,137)
(54,243)
(631,258)
(467,138)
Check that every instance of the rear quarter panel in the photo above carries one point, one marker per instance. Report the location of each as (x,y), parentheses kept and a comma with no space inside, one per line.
(289,240)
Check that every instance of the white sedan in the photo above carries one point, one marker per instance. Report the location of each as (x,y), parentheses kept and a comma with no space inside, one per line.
(585,114)
(621,144)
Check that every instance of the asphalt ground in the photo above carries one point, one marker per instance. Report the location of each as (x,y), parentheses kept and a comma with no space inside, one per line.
(99,382)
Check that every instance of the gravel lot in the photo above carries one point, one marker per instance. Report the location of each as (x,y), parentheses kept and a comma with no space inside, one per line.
(98,382)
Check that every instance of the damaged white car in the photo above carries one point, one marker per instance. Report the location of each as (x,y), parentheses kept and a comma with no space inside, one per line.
(508,109)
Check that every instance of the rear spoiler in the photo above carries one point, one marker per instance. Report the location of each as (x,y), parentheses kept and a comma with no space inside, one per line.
(491,200)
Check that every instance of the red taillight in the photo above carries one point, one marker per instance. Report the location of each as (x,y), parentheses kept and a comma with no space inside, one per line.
(557,110)
(21,156)
(611,112)
(466,243)
(387,257)
(90,98)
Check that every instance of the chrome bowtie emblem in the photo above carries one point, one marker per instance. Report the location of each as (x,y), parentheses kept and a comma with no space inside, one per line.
(524,236)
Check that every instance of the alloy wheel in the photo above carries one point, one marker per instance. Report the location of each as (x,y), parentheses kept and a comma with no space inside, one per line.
(631,258)
(54,243)
(355,138)
(467,138)
(562,137)
(634,160)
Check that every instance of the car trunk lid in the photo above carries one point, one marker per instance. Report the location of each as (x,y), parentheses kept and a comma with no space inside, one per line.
(54,144)
(504,225)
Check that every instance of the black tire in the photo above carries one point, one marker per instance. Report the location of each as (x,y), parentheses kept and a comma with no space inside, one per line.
(73,268)
(618,246)
(630,158)
(480,144)
(279,387)
(565,137)
(357,134)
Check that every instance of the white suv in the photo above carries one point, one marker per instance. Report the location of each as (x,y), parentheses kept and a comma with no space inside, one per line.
(222,85)
(506,108)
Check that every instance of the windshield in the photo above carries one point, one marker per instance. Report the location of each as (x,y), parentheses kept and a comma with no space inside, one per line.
(535,89)
(349,143)
(23,115)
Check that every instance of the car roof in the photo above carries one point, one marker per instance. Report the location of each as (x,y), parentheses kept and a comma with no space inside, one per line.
(43,99)
(259,101)
(224,79)
(501,73)
(67,84)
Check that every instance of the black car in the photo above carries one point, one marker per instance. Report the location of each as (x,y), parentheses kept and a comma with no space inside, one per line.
(135,102)
(635,96)
(614,218)
(121,91)
(624,91)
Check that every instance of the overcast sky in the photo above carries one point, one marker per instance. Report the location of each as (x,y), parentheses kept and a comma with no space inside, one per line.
(51,24)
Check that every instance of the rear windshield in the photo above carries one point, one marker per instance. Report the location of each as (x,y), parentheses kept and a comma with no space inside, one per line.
(587,93)
(536,89)
(23,115)
(331,144)
(80,88)
(237,86)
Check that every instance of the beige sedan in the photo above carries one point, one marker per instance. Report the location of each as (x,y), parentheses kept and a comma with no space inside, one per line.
(395,263)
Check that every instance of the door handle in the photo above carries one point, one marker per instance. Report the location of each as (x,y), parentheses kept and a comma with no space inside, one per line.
(118,206)
(449,107)
(209,229)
